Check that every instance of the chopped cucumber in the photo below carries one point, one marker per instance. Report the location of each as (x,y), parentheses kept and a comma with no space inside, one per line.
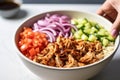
(92,23)
(111,38)
(87,31)
(91,31)
(87,25)
(105,42)
(92,38)
(84,21)
(84,37)
(78,34)
(80,26)
(97,27)
(74,21)
(72,30)
(102,32)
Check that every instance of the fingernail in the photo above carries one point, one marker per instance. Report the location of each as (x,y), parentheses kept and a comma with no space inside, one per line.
(114,33)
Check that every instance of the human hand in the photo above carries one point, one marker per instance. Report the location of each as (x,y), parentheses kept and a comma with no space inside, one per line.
(111,10)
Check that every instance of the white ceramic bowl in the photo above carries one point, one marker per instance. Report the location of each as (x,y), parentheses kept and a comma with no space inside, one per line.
(54,73)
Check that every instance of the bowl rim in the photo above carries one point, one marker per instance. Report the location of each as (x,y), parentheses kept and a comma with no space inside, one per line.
(72,68)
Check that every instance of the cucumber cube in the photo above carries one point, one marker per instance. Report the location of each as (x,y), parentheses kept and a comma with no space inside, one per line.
(105,42)
(78,34)
(84,37)
(74,21)
(92,38)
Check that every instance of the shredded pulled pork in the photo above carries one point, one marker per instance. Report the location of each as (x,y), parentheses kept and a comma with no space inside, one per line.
(68,52)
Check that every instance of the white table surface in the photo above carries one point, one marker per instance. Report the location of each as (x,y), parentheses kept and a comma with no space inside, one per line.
(11,68)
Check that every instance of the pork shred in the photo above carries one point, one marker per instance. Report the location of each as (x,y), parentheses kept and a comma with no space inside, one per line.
(68,52)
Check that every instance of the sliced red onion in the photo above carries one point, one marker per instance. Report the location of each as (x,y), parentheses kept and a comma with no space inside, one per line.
(51,38)
(64,17)
(47,15)
(71,35)
(66,35)
(42,23)
(71,25)
(49,29)
(54,17)
(35,26)
(60,34)
(54,25)
(51,25)
(47,19)
(59,25)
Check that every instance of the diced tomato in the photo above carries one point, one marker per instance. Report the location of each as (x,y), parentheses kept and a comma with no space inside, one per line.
(31,43)
(23,47)
(32,52)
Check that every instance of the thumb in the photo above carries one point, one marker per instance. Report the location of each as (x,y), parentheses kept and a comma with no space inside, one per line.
(116,27)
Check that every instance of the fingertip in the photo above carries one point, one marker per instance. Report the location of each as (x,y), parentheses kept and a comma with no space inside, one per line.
(116,27)
(100,11)
(114,33)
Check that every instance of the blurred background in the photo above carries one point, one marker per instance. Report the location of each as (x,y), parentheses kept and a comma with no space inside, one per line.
(65,1)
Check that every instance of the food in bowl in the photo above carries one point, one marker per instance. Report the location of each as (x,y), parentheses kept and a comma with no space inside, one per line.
(84,72)
(61,41)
